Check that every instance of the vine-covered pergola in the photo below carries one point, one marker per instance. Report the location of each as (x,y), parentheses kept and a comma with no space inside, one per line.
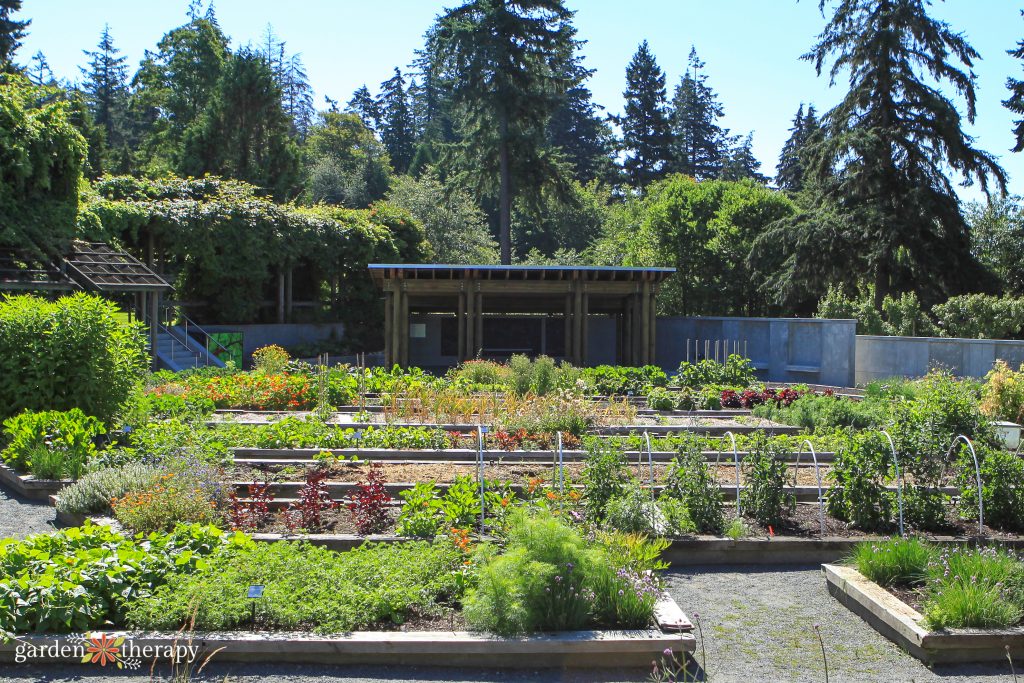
(571,292)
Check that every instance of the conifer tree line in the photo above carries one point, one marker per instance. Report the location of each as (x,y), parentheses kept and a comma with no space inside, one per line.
(492,141)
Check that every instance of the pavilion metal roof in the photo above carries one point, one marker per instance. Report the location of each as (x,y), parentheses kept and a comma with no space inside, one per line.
(448,271)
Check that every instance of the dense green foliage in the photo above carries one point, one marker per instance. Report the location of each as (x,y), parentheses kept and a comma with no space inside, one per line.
(41,157)
(705,230)
(74,352)
(84,578)
(307,588)
(550,578)
(50,444)
(226,243)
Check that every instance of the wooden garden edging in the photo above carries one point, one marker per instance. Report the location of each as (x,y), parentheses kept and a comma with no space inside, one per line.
(27,486)
(573,649)
(904,625)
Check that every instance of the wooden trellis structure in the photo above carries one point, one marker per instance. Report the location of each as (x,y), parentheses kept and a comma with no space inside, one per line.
(89,266)
(572,292)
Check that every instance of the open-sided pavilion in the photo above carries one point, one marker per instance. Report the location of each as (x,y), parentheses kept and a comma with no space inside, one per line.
(566,294)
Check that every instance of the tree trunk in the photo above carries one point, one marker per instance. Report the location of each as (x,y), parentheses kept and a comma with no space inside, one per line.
(505,196)
(881,284)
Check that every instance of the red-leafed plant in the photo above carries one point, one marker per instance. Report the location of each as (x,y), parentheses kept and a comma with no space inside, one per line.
(369,504)
(510,441)
(307,512)
(250,514)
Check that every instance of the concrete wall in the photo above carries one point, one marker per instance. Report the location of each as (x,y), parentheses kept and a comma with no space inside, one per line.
(290,334)
(783,349)
(880,357)
(811,350)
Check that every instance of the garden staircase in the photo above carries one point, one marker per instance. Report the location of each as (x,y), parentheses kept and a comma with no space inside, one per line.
(176,351)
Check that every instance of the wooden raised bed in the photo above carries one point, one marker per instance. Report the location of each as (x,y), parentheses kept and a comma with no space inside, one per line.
(575,649)
(27,486)
(904,625)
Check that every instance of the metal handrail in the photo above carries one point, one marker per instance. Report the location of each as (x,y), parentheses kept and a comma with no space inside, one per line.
(207,337)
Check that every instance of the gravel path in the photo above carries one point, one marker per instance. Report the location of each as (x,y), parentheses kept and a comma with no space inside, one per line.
(20,517)
(759,622)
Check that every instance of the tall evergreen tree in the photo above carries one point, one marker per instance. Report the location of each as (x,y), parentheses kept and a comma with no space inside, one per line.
(39,71)
(397,128)
(106,89)
(291,77)
(365,107)
(245,132)
(700,145)
(741,164)
(11,33)
(1015,102)
(880,179)
(509,58)
(645,125)
(790,172)
(581,132)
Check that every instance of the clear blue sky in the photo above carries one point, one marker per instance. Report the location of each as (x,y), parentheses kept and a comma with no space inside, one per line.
(751,48)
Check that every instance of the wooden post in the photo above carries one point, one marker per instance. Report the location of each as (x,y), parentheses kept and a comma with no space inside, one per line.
(567,345)
(645,323)
(461,324)
(584,325)
(577,324)
(396,324)
(627,331)
(288,296)
(470,321)
(389,348)
(479,334)
(154,323)
(403,358)
(653,337)
(280,297)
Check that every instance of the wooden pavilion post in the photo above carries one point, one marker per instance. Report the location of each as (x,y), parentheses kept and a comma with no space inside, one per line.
(584,324)
(403,325)
(645,323)
(389,323)
(577,324)
(478,335)
(470,326)
(567,341)
(461,320)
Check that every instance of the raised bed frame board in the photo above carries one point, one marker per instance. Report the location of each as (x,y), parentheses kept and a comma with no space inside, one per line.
(574,649)
(27,486)
(904,625)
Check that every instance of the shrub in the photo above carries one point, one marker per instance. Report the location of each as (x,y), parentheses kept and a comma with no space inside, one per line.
(83,578)
(307,588)
(176,498)
(70,353)
(896,562)
(764,472)
(634,512)
(1002,397)
(369,504)
(550,579)
(270,360)
(690,480)
(604,476)
(93,492)
(51,444)
(858,478)
(1001,476)
(980,316)
(480,373)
